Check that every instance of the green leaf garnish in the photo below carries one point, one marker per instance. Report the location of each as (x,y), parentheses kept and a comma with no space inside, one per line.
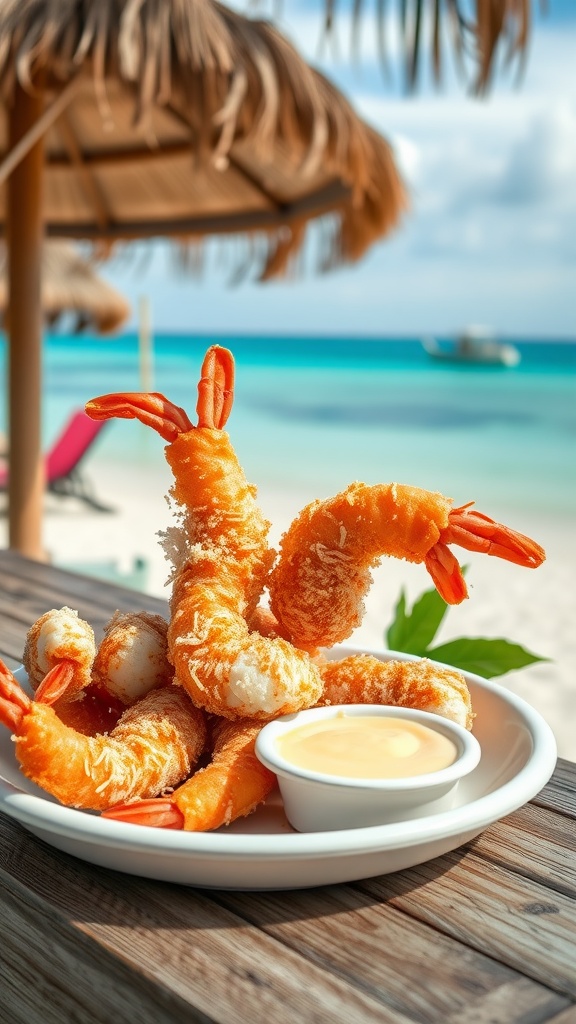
(485,657)
(413,632)
(397,632)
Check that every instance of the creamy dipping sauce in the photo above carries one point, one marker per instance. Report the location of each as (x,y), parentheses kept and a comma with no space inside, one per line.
(367,747)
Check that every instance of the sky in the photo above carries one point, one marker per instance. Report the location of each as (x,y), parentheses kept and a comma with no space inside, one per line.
(490,237)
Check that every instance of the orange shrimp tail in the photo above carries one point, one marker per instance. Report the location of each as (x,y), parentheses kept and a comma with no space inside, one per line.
(55,683)
(215,388)
(476,532)
(158,812)
(446,574)
(153,410)
(14,703)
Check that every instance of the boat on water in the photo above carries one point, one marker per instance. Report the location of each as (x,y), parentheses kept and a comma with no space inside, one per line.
(474,345)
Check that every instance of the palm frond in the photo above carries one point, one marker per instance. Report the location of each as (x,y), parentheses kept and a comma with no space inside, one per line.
(475,38)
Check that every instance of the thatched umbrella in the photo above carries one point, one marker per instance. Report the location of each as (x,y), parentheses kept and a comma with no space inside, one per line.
(132,118)
(71,284)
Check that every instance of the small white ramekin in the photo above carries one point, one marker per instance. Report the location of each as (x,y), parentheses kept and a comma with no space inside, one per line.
(316,802)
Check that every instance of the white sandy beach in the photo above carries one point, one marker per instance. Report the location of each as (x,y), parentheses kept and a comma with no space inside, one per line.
(534,608)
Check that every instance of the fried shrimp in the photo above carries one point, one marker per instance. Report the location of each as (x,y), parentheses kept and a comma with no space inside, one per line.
(230,787)
(153,747)
(60,637)
(323,573)
(363,679)
(132,657)
(221,559)
(97,683)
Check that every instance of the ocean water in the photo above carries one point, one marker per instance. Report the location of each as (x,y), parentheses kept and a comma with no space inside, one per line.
(317,413)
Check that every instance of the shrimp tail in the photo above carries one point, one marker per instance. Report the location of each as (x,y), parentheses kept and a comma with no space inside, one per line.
(14,703)
(215,388)
(55,683)
(215,397)
(474,531)
(153,410)
(446,574)
(158,812)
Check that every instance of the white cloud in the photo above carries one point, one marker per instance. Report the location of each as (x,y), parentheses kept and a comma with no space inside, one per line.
(542,165)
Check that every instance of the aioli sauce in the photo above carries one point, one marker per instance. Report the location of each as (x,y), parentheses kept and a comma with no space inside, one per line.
(367,747)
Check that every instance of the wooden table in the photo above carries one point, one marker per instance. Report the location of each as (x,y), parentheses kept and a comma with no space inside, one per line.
(484,934)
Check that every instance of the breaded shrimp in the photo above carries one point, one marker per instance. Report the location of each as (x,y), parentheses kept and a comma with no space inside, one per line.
(221,560)
(97,684)
(231,786)
(153,747)
(60,637)
(363,679)
(132,657)
(323,573)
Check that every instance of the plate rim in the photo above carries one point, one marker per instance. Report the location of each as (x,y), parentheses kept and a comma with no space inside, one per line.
(43,815)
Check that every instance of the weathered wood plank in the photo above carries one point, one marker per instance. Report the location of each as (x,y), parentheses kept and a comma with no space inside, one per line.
(181,941)
(18,612)
(50,972)
(405,963)
(28,594)
(44,575)
(566,1017)
(560,793)
(11,640)
(513,1003)
(523,924)
(18,607)
(535,842)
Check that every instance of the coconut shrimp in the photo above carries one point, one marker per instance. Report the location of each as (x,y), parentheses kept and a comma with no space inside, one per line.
(221,559)
(132,657)
(98,683)
(323,573)
(152,748)
(363,679)
(60,638)
(230,787)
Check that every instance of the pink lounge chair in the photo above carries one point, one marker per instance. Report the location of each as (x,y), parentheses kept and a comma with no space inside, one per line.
(63,461)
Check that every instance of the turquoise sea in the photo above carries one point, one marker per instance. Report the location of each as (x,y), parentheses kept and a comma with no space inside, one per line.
(316,413)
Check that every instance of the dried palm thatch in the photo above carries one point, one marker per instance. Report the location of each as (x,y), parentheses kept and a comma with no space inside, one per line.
(124,119)
(476,28)
(70,284)
(186,119)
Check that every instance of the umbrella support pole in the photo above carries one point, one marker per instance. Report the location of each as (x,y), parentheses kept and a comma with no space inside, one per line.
(24,236)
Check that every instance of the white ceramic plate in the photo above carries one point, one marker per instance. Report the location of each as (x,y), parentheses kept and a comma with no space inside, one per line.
(263,852)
